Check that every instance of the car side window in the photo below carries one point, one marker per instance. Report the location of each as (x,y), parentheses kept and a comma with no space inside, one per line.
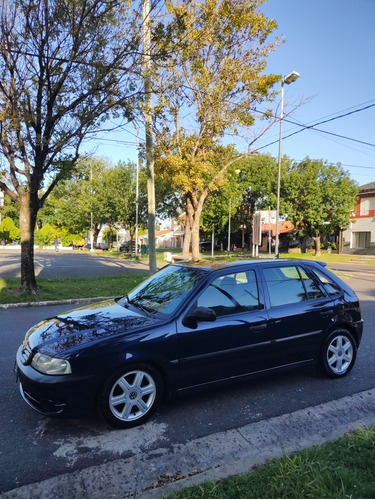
(231,293)
(284,285)
(328,284)
(312,289)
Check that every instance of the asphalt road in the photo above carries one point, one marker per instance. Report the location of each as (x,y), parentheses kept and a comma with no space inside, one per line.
(68,263)
(35,447)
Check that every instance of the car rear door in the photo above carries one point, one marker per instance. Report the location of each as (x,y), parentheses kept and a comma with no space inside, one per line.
(299,312)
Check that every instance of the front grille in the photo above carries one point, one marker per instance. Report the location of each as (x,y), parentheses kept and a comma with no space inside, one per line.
(26,354)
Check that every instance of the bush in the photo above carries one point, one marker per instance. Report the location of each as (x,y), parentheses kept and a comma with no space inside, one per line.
(45,236)
(67,238)
(9,232)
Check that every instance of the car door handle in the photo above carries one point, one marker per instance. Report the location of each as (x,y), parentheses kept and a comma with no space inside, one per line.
(258,327)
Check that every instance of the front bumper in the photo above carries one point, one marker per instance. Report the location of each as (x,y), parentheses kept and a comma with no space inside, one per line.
(65,395)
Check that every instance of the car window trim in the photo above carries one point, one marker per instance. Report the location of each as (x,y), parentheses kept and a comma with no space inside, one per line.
(329,279)
(310,273)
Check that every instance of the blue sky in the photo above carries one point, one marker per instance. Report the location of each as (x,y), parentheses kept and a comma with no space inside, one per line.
(331,43)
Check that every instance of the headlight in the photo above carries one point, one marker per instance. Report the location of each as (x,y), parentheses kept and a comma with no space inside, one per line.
(50,366)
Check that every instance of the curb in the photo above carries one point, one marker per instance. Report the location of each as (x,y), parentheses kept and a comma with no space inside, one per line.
(55,302)
(160,472)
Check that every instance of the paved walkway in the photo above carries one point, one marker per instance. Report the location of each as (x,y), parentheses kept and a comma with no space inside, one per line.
(157,473)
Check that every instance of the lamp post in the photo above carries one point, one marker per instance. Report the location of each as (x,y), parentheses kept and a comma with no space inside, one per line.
(292,77)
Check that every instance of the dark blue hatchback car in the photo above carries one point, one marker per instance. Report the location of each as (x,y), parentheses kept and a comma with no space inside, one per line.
(188,327)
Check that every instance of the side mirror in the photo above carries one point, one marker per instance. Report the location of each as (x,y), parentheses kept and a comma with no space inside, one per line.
(199,314)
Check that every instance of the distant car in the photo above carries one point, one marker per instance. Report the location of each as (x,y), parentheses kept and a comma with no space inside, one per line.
(102,245)
(125,247)
(206,246)
(185,328)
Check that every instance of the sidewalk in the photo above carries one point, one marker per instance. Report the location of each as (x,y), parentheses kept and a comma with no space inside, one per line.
(157,473)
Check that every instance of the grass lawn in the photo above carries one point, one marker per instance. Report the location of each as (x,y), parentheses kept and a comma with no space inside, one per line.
(69,288)
(340,469)
(76,288)
(325,257)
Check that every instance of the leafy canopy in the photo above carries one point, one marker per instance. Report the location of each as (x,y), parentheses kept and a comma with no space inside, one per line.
(319,197)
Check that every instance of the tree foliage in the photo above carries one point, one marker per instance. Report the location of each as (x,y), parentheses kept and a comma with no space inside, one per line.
(254,187)
(9,232)
(209,88)
(10,209)
(45,235)
(107,192)
(319,198)
(65,67)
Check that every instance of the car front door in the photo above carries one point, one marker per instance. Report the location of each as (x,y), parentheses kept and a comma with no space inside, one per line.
(234,344)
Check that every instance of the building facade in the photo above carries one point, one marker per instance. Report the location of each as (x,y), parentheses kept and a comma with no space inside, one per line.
(359,238)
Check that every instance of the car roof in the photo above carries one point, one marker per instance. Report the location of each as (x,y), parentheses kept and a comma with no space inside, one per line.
(217,265)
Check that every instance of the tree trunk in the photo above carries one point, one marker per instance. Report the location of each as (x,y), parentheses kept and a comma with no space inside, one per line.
(195,237)
(95,235)
(317,245)
(28,214)
(193,214)
(187,240)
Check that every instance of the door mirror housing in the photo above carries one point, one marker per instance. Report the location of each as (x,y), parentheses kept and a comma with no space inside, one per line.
(199,314)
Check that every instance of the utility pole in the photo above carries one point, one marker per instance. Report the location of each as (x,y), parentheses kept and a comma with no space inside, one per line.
(137,195)
(149,136)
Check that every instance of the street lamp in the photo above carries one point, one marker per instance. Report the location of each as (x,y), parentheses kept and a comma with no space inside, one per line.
(292,77)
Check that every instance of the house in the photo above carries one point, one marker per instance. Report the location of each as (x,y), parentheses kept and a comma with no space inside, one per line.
(359,237)
(269,233)
(171,234)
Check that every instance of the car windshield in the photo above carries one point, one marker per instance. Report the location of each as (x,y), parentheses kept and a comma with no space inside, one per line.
(164,291)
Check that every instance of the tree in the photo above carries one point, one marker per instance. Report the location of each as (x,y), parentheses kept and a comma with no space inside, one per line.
(65,67)
(319,198)
(97,187)
(72,202)
(218,204)
(124,177)
(253,188)
(215,79)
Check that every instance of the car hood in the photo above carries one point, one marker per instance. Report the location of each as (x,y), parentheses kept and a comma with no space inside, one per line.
(84,325)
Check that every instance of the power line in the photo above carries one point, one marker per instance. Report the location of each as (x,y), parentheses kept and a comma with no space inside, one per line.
(358,166)
(312,127)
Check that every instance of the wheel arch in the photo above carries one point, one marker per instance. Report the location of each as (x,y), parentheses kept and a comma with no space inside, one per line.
(349,328)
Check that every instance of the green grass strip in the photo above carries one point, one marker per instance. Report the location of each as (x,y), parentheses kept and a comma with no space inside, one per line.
(340,469)
(69,288)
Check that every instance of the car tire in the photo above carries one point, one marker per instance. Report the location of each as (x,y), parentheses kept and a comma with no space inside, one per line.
(130,396)
(338,354)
